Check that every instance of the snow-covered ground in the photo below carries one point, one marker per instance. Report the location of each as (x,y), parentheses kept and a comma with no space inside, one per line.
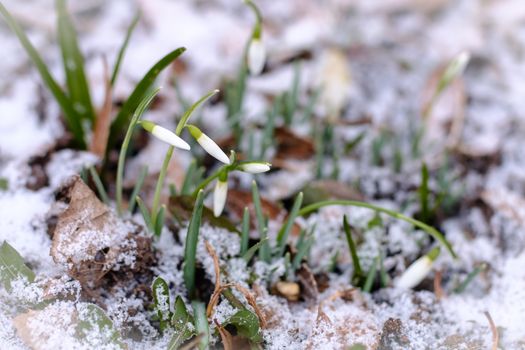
(377,60)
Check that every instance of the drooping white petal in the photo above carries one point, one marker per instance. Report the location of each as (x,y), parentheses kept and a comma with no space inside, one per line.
(415,273)
(255,167)
(212,148)
(256,56)
(219,197)
(169,137)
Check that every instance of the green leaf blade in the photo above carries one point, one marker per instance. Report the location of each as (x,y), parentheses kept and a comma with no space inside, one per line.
(12,266)
(139,92)
(73,62)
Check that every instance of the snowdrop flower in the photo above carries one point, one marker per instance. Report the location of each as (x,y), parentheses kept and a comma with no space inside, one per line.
(164,135)
(208,144)
(255,167)
(219,196)
(453,70)
(418,270)
(256,56)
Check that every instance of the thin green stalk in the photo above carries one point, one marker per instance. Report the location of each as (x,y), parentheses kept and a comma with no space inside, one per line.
(245,233)
(180,126)
(371,277)
(428,229)
(186,116)
(190,247)
(358,272)
(424,194)
(98,183)
(264,252)
(463,285)
(123,48)
(124,149)
(160,183)
(253,249)
(208,180)
(136,189)
(189,178)
(284,232)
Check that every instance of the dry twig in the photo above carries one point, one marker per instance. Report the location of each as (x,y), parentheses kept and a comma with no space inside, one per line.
(494,330)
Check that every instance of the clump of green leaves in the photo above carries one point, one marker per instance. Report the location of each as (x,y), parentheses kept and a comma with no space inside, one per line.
(176,318)
(75,102)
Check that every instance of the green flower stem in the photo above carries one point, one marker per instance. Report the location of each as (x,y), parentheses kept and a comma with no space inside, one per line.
(124,149)
(210,178)
(160,183)
(180,126)
(429,229)
(257,28)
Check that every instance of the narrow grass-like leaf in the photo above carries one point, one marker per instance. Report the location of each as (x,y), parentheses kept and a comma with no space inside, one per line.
(350,146)
(186,116)
(463,285)
(123,47)
(159,220)
(137,187)
(246,323)
(384,278)
(141,107)
(188,179)
(309,109)
(367,287)
(141,89)
(245,232)
(424,194)
(284,232)
(302,251)
(72,118)
(145,213)
(428,229)
(268,132)
(201,323)
(319,151)
(190,248)
(12,266)
(99,185)
(161,300)
(264,252)
(93,319)
(293,96)
(358,272)
(253,249)
(73,62)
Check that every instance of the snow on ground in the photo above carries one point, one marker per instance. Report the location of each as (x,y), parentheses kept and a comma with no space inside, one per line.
(392,47)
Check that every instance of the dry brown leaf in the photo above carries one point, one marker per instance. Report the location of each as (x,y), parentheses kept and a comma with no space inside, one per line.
(21,324)
(308,284)
(292,146)
(90,240)
(103,120)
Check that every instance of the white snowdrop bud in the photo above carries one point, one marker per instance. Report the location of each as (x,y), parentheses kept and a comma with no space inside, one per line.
(255,167)
(165,135)
(418,270)
(208,144)
(256,56)
(219,196)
